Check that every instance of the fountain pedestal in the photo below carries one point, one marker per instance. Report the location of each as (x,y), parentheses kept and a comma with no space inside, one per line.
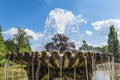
(61,61)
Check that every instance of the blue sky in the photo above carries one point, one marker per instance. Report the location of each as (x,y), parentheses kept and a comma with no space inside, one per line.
(32,14)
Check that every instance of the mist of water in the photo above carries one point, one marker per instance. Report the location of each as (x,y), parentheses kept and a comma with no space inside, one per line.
(105,71)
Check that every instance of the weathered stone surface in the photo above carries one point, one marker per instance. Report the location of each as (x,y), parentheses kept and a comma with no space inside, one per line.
(81,62)
(60,60)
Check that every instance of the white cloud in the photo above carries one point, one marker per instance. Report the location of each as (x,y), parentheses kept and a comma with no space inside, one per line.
(11,31)
(91,44)
(89,33)
(59,19)
(97,45)
(36,47)
(35,35)
(103,26)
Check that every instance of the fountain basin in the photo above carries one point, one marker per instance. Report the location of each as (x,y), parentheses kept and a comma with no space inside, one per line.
(60,60)
(80,66)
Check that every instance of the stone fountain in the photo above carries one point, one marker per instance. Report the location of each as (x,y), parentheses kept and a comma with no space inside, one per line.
(60,61)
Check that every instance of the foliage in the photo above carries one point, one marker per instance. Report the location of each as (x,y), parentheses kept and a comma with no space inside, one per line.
(85,46)
(98,49)
(119,46)
(3,49)
(22,41)
(105,48)
(11,45)
(113,43)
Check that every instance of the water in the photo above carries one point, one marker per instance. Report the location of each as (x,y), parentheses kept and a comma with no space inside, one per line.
(38,68)
(74,73)
(13,71)
(105,71)
(61,67)
(71,30)
(48,70)
(93,64)
(21,69)
(102,71)
(5,69)
(101,75)
(112,68)
(86,68)
(33,68)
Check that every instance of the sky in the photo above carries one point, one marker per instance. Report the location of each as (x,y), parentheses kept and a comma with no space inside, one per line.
(78,19)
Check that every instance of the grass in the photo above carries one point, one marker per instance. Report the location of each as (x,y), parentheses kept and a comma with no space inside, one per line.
(19,73)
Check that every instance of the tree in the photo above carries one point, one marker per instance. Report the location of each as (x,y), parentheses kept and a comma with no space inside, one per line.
(3,49)
(23,41)
(119,46)
(105,48)
(98,49)
(11,45)
(85,46)
(113,43)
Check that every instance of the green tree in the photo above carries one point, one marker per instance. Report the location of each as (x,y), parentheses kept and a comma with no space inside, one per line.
(119,46)
(22,40)
(113,43)
(105,48)
(85,46)
(98,49)
(3,49)
(11,45)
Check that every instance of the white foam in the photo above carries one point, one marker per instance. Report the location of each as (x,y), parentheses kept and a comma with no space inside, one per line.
(101,75)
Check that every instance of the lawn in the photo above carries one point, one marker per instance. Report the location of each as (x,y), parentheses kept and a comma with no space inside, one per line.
(19,73)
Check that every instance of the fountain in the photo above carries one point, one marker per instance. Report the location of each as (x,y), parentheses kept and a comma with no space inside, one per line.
(60,61)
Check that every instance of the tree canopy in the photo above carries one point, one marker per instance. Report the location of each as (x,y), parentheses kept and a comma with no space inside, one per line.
(22,41)
(11,45)
(113,43)
(86,47)
(3,49)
